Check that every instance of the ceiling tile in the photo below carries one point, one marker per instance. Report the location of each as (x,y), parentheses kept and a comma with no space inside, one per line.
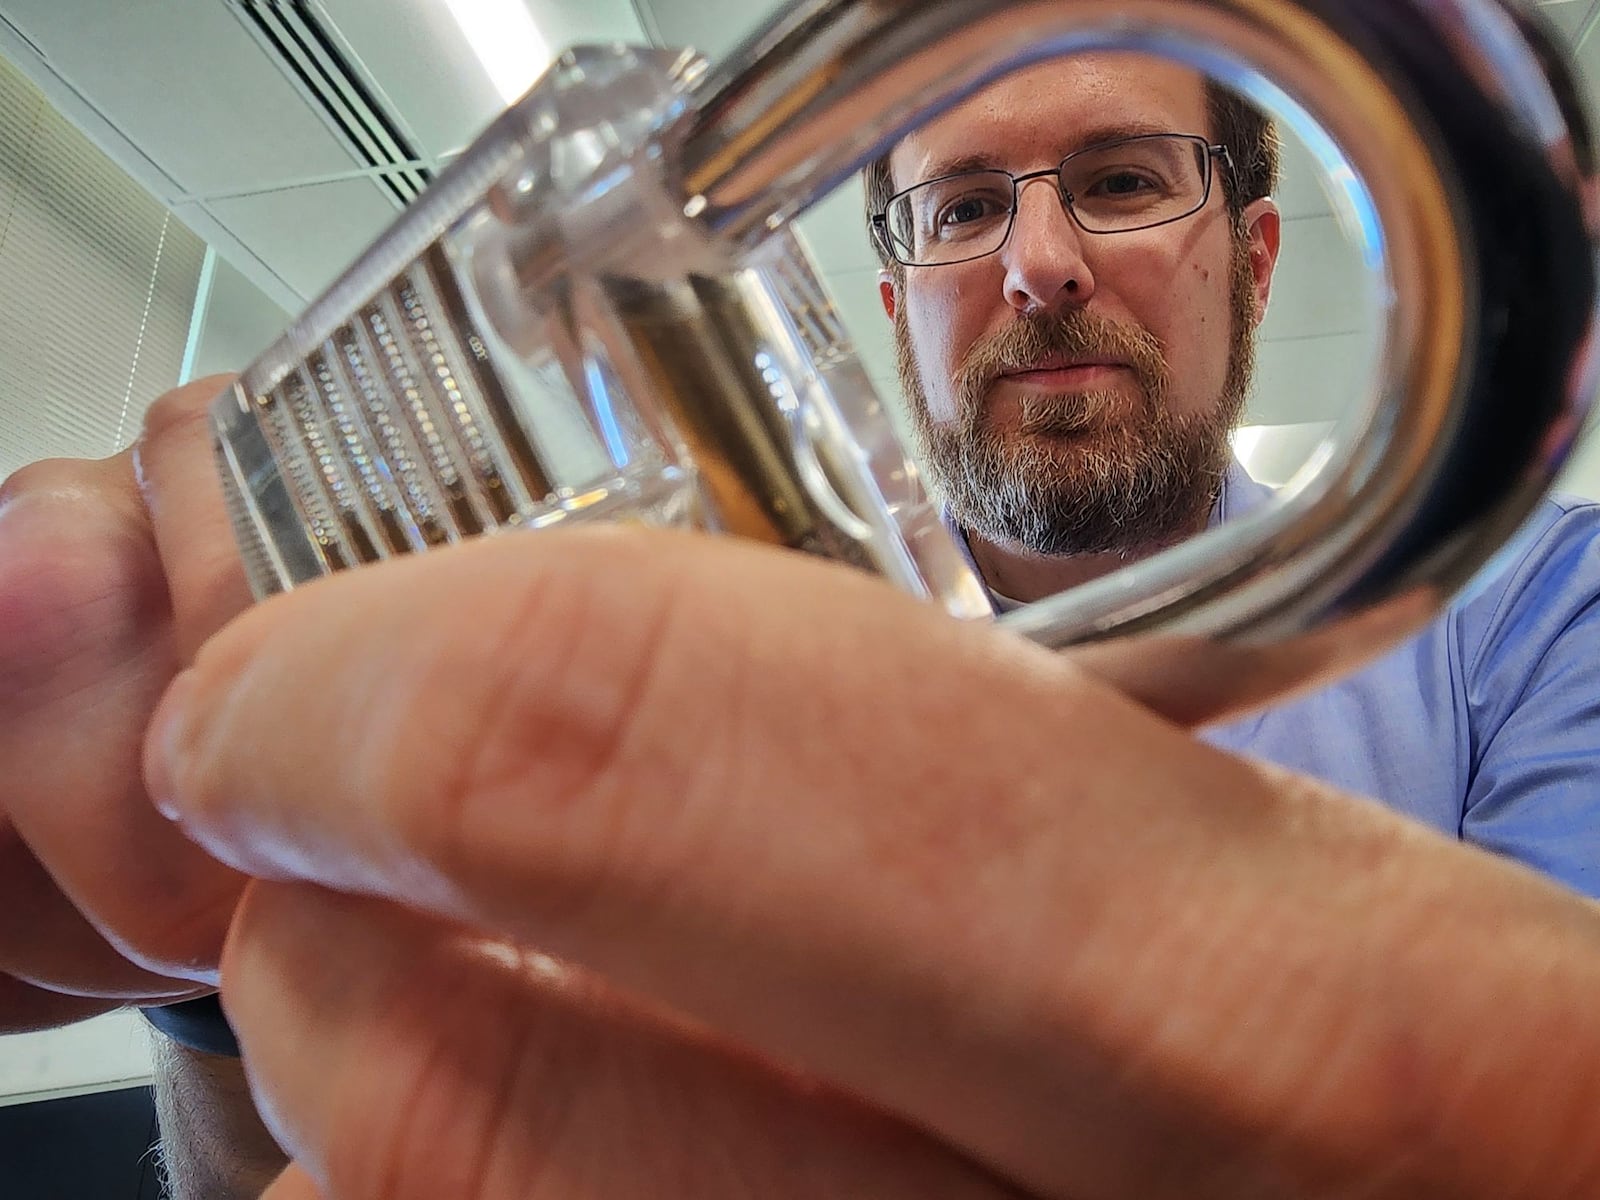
(203,102)
(309,234)
(426,72)
(836,231)
(1321,286)
(1300,190)
(431,77)
(1312,379)
(712,27)
(855,295)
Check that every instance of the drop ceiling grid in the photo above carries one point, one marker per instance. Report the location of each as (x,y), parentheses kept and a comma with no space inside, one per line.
(240,145)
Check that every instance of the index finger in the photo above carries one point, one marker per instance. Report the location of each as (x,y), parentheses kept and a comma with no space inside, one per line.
(86,649)
(182,492)
(934,866)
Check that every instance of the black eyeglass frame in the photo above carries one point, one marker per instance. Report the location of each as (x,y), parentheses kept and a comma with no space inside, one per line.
(879,220)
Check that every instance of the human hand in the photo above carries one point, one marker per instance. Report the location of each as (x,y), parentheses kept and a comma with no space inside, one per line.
(619,864)
(111,574)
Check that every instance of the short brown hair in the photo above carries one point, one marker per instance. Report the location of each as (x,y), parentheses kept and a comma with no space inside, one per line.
(1249,134)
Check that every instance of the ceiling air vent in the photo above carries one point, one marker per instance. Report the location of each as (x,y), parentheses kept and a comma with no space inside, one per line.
(318,61)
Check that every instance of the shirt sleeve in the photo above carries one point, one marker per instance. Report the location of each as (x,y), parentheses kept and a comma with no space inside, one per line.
(1531,649)
(198,1024)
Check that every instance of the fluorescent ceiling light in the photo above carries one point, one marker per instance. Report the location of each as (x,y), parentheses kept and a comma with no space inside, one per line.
(505,39)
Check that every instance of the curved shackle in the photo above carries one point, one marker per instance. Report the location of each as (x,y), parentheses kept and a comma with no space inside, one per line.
(1450,117)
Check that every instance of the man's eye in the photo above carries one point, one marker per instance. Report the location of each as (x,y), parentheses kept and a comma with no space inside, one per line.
(968,209)
(1123,183)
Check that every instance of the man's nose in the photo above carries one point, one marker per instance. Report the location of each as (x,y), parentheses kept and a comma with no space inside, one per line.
(1043,257)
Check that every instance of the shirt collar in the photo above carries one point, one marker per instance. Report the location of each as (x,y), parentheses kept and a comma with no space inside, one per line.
(1239,496)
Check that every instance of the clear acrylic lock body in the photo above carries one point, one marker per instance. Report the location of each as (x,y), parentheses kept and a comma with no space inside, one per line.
(548,336)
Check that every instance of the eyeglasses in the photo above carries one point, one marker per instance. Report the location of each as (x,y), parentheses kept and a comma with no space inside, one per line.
(1115,187)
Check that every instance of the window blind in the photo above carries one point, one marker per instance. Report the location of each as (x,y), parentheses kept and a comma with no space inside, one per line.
(97,284)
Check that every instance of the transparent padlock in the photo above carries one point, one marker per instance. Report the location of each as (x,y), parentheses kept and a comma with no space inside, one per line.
(548,337)
(598,313)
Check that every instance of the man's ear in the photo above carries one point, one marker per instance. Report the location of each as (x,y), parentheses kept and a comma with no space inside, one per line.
(1264,223)
(887,293)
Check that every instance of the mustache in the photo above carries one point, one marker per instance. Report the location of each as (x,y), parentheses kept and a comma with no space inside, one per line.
(1073,333)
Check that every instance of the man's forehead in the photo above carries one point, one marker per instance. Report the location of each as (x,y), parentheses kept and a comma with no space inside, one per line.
(1037,116)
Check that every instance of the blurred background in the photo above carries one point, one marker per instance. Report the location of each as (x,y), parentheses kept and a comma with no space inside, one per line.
(179,177)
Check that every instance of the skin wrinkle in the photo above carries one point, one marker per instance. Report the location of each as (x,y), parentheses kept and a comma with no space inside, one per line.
(1150,1055)
(164,935)
(519,728)
(291,954)
(584,1044)
(711,839)
(69,579)
(169,947)
(495,1124)
(1331,1047)
(905,831)
(1396,1113)
(1380,1115)
(379,1173)
(563,1056)
(1410,1122)
(37,912)
(235,660)
(166,943)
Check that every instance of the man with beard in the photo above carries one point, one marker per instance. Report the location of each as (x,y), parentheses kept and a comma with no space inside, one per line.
(811,943)
(1075,263)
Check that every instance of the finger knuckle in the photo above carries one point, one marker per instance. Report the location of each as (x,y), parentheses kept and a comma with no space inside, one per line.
(583,745)
(80,575)
(178,412)
(61,477)
(176,943)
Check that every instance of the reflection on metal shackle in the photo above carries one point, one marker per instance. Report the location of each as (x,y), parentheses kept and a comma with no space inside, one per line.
(598,312)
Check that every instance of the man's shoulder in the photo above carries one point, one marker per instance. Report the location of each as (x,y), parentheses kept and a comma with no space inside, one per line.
(1539,589)
(1522,644)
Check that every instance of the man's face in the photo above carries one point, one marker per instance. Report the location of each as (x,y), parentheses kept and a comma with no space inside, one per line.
(1073,392)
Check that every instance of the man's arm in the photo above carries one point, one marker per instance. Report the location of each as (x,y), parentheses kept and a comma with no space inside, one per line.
(213,1143)
(720,857)
(111,573)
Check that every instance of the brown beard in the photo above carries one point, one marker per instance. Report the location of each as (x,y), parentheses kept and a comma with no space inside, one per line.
(1082,473)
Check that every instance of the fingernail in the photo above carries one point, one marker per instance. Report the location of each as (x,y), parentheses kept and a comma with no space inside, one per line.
(167,746)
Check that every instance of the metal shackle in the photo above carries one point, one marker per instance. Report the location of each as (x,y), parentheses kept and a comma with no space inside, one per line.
(1448,115)
(645,260)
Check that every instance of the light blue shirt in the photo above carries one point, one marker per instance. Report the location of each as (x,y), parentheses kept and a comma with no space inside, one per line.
(1486,725)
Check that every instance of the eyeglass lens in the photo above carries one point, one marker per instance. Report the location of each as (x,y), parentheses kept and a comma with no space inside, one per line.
(1114,188)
